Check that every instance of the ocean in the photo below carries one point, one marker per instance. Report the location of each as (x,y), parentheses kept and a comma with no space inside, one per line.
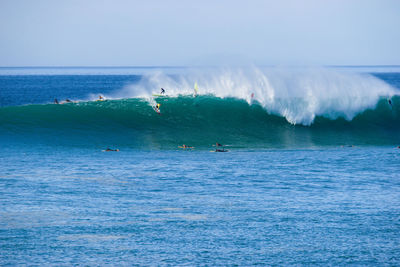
(311,176)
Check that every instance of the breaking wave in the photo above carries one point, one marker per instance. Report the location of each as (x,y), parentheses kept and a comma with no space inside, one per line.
(203,120)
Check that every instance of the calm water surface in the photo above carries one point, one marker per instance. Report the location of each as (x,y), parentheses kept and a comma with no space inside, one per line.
(278,207)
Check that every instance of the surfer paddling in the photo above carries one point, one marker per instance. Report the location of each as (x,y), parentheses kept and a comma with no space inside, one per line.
(66,101)
(221,149)
(185,146)
(109,150)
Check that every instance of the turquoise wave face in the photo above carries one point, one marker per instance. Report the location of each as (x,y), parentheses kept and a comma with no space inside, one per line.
(196,121)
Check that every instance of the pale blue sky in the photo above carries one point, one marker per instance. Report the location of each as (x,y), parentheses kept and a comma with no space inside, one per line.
(178,32)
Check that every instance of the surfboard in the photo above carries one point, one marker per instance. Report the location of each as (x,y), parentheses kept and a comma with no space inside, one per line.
(196,89)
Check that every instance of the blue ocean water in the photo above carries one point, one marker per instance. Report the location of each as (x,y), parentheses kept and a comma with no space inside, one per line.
(288,192)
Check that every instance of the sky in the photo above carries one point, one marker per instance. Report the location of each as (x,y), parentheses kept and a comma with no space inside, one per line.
(207,32)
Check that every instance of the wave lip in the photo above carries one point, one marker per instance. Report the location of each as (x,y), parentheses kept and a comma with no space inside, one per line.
(297,95)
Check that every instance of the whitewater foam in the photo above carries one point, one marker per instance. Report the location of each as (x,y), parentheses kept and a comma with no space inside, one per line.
(299,95)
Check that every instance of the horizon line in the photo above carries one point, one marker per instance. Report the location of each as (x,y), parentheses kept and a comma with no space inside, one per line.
(188,66)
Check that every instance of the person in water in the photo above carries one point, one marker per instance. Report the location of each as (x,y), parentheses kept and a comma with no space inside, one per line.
(101,97)
(162,91)
(109,149)
(185,146)
(68,101)
(56,101)
(219,145)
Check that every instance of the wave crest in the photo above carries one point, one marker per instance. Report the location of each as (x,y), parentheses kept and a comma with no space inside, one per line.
(299,95)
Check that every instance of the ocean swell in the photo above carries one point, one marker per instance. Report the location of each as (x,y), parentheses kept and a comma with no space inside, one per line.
(198,121)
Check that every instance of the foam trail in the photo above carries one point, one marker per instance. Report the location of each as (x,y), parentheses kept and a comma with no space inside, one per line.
(299,95)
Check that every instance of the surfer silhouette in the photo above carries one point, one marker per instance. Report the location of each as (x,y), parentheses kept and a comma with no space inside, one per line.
(185,146)
(162,91)
(109,149)
(219,150)
(56,101)
(390,102)
(157,108)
